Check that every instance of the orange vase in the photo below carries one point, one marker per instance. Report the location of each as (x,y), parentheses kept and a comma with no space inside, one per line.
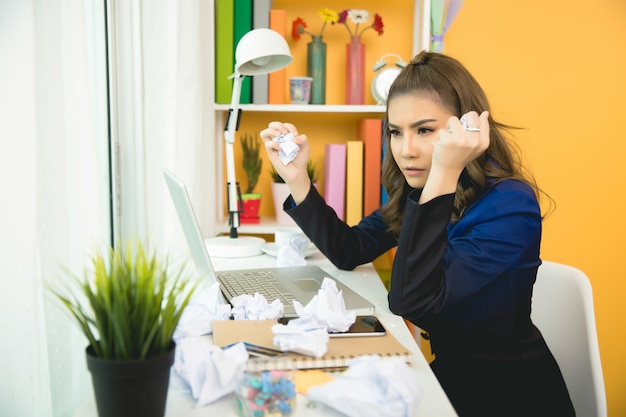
(355,71)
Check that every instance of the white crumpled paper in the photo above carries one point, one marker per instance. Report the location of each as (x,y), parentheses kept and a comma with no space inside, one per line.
(204,306)
(308,334)
(256,307)
(291,253)
(372,387)
(328,307)
(208,371)
(288,148)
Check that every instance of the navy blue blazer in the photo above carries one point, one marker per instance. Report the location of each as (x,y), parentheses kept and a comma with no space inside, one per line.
(467,283)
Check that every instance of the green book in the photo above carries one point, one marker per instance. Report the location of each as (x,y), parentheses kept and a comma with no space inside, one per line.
(243,25)
(224,50)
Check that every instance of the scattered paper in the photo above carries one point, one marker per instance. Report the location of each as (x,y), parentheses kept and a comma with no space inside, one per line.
(372,387)
(256,307)
(204,307)
(208,371)
(308,334)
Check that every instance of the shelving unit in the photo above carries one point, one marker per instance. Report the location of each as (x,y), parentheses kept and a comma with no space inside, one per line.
(218,112)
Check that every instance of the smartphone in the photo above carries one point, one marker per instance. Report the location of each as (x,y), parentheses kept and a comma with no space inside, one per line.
(363,326)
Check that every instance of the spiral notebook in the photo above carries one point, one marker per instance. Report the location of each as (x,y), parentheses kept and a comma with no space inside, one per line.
(340,350)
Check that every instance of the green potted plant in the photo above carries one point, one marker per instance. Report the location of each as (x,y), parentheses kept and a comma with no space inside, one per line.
(252,164)
(280,192)
(128,304)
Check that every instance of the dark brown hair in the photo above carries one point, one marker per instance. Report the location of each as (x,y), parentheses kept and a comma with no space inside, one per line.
(449,82)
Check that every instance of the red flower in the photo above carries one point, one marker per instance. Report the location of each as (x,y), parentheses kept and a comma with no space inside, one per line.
(297,28)
(343,16)
(378,24)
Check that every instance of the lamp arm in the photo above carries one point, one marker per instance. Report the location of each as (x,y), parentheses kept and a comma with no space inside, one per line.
(232,125)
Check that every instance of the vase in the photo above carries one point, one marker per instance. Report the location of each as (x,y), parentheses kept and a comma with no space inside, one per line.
(280,192)
(250,205)
(355,71)
(135,388)
(316,69)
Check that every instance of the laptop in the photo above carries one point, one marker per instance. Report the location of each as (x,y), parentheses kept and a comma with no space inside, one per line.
(299,283)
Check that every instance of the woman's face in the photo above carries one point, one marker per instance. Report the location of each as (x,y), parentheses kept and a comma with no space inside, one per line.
(414,123)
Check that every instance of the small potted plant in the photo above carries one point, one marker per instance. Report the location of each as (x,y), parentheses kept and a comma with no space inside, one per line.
(280,192)
(128,303)
(252,164)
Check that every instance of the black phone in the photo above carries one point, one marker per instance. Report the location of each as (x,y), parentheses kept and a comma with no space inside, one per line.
(363,326)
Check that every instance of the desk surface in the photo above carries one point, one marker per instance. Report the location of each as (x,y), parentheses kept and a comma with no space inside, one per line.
(363,280)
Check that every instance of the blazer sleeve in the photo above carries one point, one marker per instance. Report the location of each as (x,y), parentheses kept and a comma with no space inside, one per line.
(439,264)
(345,246)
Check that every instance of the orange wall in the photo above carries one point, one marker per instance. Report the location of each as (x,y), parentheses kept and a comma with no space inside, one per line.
(557,69)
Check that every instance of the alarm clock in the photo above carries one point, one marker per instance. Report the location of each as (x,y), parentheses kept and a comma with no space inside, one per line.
(384,77)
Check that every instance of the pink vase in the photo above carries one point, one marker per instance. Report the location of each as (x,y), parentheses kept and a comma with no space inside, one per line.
(355,71)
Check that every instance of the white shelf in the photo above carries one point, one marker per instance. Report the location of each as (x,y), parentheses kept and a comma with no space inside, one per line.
(267,226)
(306,108)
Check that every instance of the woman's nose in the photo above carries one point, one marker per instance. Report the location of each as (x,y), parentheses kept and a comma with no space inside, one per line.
(411,147)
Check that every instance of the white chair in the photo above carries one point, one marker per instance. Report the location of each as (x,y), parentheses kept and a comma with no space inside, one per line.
(562,309)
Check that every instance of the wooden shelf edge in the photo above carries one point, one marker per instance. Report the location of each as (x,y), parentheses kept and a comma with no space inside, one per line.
(307,108)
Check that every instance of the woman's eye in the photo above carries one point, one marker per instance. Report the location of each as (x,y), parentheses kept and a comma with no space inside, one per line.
(424,130)
(394,132)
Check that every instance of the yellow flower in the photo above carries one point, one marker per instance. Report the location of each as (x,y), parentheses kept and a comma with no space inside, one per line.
(328,15)
(299,26)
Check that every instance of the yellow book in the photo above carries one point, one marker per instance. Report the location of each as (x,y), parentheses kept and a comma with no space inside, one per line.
(354,182)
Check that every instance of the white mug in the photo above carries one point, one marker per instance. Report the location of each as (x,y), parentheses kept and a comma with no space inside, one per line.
(284,236)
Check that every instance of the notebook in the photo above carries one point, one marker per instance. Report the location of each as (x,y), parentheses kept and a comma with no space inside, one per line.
(286,283)
(338,356)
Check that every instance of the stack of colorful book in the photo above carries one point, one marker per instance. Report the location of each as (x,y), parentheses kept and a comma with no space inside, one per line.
(233,19)
(352,172)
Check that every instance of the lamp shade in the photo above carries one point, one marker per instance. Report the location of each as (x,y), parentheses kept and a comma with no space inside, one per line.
(261,51)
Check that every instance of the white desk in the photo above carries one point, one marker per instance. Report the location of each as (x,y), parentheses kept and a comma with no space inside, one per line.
(363,280)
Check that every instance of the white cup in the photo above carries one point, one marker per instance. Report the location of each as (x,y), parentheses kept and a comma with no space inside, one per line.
(284,236)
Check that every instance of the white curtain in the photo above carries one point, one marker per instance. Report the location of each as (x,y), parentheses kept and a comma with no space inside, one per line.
(54,164)
(161,87)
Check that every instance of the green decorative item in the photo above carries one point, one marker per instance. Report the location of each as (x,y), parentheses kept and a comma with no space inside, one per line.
(252,164)
(310,168)
(316,69)
(128,304)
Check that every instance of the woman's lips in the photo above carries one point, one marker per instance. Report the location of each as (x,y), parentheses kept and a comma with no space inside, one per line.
(413,172)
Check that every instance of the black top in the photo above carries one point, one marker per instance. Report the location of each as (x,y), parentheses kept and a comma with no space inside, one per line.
(469,284)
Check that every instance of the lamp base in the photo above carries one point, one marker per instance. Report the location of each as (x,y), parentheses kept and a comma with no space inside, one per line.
(239,247)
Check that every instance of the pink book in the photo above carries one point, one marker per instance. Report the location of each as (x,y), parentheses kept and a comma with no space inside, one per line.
(335,177)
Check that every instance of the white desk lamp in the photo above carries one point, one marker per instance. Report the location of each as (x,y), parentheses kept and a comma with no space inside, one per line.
(259,51)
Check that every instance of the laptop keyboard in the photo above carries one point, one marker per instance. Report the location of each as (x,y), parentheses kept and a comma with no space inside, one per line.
(263,282)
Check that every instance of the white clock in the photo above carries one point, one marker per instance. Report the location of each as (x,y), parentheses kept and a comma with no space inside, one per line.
(384,77)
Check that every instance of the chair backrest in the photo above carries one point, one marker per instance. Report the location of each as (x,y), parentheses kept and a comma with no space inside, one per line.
(562,309)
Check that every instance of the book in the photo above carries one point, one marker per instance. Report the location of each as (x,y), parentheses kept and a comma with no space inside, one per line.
(383,193)
(277,80)
(354,182)
(335,177)
(261,19)
(224,50)
(242,24)
(369,131)
(341,350)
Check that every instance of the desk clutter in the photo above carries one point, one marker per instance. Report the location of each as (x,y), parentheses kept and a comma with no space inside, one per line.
(263,363)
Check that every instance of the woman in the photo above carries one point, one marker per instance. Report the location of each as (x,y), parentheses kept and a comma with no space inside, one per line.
(467,225)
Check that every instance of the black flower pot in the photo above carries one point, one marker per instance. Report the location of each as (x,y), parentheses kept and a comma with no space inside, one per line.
(136,388)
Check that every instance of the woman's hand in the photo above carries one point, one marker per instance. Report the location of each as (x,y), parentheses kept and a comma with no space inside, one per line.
(455,148)
(294,173)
